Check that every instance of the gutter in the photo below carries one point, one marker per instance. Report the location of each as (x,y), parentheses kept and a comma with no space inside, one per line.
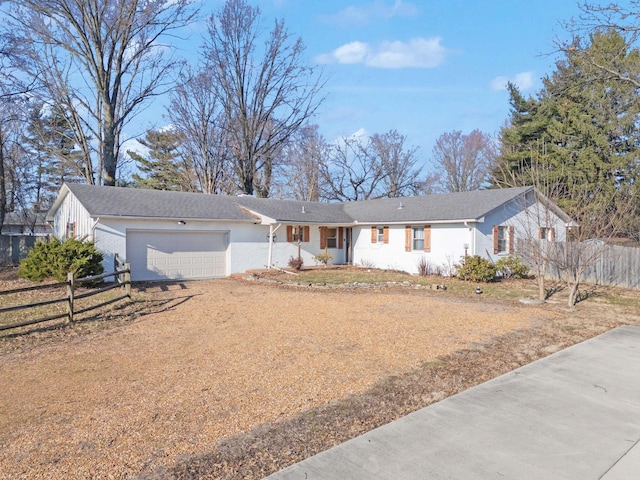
(131,217)
(430,222)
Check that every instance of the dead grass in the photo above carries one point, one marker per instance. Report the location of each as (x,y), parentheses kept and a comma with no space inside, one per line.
(232,379)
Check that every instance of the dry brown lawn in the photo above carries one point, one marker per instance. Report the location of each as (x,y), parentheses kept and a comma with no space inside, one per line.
(191,364)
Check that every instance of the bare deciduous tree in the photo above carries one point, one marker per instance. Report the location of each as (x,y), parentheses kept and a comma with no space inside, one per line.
(100,60)
(398,164)
(463,161)
(352,172)
(267,94)
(300,167)
(196,114)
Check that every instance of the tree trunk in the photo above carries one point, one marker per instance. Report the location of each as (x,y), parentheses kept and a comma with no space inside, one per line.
(109,160)
(573,293)
(3,188)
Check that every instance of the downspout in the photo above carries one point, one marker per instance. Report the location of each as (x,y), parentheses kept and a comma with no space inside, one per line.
(473,238)
(93,229)
(272,231)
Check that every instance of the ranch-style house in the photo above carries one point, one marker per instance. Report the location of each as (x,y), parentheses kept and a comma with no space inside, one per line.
(179,235)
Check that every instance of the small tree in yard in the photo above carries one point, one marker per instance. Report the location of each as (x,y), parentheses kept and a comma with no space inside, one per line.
(587,243)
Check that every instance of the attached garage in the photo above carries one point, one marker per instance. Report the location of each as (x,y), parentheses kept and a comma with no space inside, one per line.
(161,255)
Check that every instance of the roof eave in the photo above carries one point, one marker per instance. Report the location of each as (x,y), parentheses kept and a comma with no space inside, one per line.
(190,219)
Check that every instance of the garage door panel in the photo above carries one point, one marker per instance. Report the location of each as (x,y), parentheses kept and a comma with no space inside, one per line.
(157,255)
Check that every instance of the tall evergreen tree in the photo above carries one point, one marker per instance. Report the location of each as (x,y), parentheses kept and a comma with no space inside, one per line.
(51,143)
(160,167)
(579,136)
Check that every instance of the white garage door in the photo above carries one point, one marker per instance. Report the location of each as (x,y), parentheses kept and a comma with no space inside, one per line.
(157,255)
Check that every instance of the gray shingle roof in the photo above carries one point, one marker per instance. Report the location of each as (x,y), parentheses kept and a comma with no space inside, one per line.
(133,202)
(129,202)
(432,208)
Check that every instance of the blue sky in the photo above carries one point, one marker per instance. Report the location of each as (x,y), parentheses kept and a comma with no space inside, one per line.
(421,67)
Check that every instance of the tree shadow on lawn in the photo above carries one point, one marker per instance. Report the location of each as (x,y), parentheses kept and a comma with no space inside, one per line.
(110,315)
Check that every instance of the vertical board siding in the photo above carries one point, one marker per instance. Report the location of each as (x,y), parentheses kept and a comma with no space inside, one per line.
(72,210)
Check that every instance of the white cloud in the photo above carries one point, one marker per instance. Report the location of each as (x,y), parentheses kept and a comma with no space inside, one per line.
(360,136)
(524,81)
(354,52)
(416,53)
(362,15)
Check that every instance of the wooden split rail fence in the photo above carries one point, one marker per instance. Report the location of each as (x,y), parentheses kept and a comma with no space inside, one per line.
(122,279)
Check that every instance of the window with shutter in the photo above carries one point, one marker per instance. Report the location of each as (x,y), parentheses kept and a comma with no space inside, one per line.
(418,238)
(502,239)
(71,230)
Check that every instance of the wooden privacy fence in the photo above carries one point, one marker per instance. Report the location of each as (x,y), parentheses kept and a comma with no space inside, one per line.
(601,264)
(122,279)
(14,248)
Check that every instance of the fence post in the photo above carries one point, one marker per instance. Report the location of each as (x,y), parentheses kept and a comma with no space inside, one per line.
(116,265)
(70,285)
(127,280)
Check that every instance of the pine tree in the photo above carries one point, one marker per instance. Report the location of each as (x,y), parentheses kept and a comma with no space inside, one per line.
(579,136)
(160,167)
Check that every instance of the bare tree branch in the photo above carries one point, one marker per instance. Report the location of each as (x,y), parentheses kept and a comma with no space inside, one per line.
(267,95)
(102,60)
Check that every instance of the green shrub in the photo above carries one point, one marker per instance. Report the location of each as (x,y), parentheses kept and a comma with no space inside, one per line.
(476,269)
(296,263)
(55,259)
(512,267)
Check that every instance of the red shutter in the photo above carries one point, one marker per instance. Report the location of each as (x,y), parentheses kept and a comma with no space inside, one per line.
(385,235)
(305,237)
(495,239)
(374,234)
(289,233)
(340,234)
(540,233)
(552,235)
(323,238)
(511,238)
(407,238)
(427,238)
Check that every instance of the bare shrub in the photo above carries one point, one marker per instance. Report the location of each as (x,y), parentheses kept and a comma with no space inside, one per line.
(367,263)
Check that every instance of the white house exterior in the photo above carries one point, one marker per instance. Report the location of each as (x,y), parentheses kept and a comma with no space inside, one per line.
(176,235)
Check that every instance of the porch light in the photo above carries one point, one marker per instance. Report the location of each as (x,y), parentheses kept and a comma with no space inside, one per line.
(181,222)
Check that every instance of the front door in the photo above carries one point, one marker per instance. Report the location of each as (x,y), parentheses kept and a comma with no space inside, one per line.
(348,252)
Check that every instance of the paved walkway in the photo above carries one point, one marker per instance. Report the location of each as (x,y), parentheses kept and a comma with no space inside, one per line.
(572,415)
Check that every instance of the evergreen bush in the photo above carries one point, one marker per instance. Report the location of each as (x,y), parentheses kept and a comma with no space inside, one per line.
(55,259)
(476,269)
(512,267)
